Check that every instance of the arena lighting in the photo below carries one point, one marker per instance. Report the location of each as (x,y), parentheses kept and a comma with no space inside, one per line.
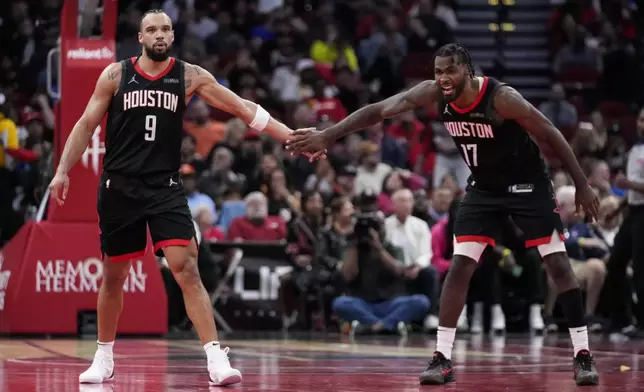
(494,27)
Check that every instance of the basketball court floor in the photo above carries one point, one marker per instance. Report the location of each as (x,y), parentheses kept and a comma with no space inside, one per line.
(320,364)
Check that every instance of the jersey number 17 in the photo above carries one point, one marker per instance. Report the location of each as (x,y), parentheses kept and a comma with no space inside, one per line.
(150,128)
(470,154)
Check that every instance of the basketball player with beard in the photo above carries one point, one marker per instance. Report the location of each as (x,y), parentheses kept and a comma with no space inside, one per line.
(145,99)
(491,123)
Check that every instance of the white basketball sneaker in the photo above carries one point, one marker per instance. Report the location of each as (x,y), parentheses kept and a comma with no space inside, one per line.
(220,371)
(102,370)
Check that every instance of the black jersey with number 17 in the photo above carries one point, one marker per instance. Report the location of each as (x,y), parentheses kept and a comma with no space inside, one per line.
(499,152)
(144,123)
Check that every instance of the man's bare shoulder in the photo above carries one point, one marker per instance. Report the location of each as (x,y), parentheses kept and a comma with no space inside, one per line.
(110,78)
(508,102)
(193,75)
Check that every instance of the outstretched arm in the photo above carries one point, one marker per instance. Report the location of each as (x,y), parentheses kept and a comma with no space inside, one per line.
(511,105)
(420,95)
(201,82)
(95,110)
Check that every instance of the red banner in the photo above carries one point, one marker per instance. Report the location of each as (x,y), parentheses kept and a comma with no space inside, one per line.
(51,271)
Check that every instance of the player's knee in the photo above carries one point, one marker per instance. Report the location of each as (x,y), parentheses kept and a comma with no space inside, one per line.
(596,268)
(185,271)
(114,276)
(462,267)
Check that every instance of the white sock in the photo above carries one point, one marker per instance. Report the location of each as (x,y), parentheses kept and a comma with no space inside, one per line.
(106,348)
(211,348)
(445,341)
(579,337)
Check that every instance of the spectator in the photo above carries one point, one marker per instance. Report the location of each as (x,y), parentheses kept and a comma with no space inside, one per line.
(430,26)
(375,301)
(281,200)
(382,55)
(393,182)
(448,158)
(257,225)
(306,277)
(439,208)
(559,111)
(599,178)
(578,55)
(587,254)
(371,172)
(412,235)
(333,49)
(206,132)
(214,181)
(345,180)
(628,244)
(202,207)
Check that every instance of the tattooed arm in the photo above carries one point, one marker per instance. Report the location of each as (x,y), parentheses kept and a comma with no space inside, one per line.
(106,87)
(201,82)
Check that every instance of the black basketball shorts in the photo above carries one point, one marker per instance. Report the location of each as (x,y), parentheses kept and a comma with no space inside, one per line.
(127,208)
(533,208)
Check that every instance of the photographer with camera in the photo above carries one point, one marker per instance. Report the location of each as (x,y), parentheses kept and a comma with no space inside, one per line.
(374,272)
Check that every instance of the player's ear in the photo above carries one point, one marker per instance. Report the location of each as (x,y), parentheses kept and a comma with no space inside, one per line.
(140,37)
(172,37)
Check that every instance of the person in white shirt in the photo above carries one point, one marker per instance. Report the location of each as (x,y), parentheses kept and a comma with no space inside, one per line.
(413,236)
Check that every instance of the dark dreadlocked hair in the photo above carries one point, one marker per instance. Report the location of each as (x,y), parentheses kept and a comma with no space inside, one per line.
(458,50)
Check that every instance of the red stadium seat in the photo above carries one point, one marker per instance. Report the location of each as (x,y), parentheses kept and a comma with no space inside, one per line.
(417,66)
(613,109)
(579,77)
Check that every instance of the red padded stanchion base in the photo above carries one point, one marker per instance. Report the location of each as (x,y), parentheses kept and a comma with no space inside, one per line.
(50,271)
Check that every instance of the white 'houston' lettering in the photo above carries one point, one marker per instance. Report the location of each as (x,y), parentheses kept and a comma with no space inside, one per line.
(469,129)
(150,99)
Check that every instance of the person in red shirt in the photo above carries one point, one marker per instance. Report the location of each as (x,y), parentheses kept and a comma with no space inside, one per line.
(257,225)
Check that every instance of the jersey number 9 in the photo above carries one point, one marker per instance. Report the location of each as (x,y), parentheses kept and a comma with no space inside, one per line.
(150,128)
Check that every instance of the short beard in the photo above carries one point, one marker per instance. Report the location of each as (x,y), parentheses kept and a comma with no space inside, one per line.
(156,56)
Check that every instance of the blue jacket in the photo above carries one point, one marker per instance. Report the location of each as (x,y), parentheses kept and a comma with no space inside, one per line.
(576,232)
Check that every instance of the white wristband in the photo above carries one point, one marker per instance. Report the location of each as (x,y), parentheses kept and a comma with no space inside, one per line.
(261,119)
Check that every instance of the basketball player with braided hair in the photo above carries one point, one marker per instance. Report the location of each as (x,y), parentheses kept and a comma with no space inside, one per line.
(492,125)
(145,98)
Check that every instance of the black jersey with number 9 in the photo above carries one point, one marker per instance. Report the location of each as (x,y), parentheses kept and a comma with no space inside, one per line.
(145,122)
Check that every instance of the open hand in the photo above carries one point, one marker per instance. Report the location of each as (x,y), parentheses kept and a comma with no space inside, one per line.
(58,187)
(586,198)
(308,141)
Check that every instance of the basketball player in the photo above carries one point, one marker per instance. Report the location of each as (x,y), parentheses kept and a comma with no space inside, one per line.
(145,99)
(491,123)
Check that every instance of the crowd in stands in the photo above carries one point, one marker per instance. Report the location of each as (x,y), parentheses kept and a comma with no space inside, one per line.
(369,229)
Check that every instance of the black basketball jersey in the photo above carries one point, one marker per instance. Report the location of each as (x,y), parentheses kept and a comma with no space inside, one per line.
(499,152)
(145,122)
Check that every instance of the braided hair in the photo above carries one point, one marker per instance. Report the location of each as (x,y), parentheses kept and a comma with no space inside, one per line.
(458,50)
